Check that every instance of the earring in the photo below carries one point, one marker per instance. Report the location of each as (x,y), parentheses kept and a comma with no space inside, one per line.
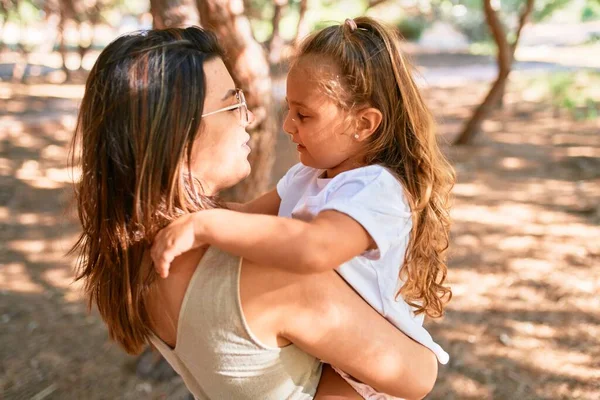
(356,136)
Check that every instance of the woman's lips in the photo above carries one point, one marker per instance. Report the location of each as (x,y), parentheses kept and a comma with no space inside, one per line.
(245,144)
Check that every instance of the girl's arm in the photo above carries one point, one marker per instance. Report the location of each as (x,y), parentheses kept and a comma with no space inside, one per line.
(267,204)
(326,242)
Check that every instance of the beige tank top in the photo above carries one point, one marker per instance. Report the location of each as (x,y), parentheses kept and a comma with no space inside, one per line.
(217,355)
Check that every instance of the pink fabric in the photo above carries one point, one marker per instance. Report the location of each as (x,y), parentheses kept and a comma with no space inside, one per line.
(365,391)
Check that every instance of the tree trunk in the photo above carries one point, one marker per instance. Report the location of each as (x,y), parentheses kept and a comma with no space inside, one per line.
(505,59)
(275,42)
(523,17)
(93,13)
(247,62)
(302,28)
(62,46)
(173,13)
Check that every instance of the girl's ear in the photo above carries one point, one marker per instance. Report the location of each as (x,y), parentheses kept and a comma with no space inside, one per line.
(368,120)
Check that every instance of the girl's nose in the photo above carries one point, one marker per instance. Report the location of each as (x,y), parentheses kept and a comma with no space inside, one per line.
(288,124)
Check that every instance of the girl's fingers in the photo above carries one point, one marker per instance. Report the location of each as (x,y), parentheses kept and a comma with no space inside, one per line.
(163,252)
(158,252)
(164,271)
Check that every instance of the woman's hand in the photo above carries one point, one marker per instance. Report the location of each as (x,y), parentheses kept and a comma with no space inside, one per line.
(178,237)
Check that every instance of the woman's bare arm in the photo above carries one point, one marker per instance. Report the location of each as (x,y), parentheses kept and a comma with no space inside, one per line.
(330,321)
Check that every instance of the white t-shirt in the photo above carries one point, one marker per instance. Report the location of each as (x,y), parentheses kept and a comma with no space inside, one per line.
(374,198)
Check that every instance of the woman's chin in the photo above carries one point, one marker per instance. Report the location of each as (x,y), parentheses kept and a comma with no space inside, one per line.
(248,170)
(245,170)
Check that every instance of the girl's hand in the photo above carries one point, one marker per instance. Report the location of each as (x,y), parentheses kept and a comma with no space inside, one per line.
(177,238)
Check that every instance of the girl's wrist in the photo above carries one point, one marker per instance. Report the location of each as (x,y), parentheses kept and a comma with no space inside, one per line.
(200,229)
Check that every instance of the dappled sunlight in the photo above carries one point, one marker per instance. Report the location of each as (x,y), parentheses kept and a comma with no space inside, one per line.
(469,287)
(531,268)
(582,231)
(513,163)
(467,189)
(63,278)
(69,122)
(524,257)
(63,175)
(14,277)
(582,151)
(11,127)
(518,243)
(467,388)
(502,215)
(63,91)
(493,126)
(576,139)
(565,362)
(6,166)
(48,179)
(27,246)
(25,139)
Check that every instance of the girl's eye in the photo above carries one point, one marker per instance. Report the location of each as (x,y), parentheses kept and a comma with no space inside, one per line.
(301,117)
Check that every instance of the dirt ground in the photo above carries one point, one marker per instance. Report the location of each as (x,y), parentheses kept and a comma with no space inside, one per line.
(524,322)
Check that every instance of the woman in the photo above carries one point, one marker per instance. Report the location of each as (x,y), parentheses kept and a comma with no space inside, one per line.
(162,131)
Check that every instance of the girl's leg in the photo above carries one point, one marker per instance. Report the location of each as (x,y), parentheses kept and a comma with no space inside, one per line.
(333,387)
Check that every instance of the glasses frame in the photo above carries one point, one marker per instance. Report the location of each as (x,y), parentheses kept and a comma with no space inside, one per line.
(242,105)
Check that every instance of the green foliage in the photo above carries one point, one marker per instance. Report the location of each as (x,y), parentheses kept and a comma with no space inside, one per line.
(574,93)
(469,18)
(544,9)
(591,11)
(24,11)
(320,14)
(411,28)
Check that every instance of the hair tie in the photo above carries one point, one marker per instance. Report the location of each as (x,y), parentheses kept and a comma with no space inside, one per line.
(350,22)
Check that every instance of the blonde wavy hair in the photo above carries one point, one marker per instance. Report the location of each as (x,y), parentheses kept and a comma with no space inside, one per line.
(375,73)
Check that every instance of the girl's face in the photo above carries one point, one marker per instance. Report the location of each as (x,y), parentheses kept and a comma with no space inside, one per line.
(320,128)
(220,152)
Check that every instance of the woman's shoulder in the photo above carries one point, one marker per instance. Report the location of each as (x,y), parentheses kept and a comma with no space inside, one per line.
(166,297)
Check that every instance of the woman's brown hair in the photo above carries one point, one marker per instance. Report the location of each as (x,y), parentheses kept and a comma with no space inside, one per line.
(138,119)
(373,72)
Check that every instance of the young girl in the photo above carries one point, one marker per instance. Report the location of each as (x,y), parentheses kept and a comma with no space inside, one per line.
(370,196)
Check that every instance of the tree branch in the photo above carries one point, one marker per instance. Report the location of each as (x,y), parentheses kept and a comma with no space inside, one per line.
(373,3)
(499,35)
(301,28)
(522,21)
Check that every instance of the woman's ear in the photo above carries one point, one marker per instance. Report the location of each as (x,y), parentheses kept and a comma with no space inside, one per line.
(368,120)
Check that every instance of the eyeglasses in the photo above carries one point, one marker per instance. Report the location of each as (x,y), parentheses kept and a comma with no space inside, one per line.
(241,105)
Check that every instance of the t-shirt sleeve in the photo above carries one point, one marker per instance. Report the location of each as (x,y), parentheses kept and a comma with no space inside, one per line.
(376,201)
(285,182)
